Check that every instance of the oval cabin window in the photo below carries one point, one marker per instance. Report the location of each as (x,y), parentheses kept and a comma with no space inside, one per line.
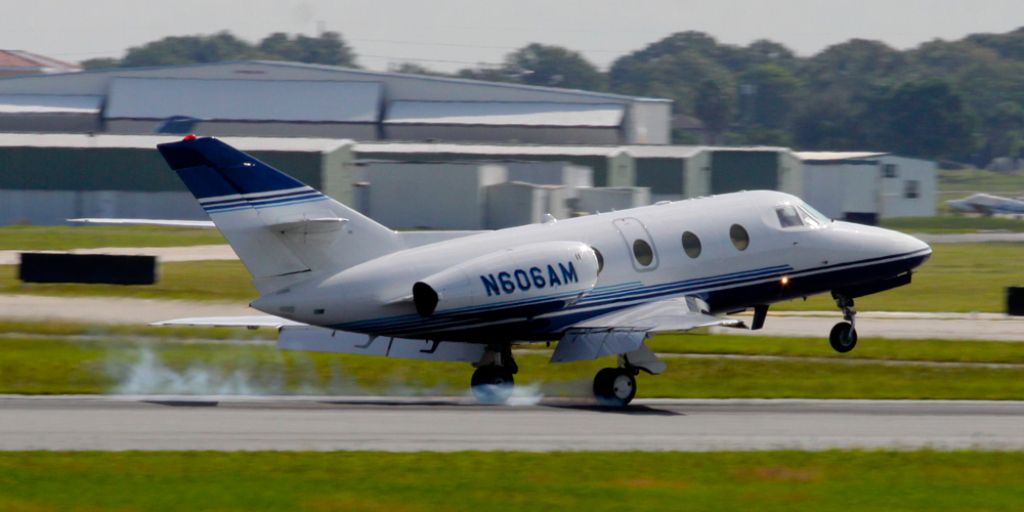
(691,244)
(600,259)
(642,252)
(739,237)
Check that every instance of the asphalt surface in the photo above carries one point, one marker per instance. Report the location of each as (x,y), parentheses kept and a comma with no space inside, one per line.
(448,424)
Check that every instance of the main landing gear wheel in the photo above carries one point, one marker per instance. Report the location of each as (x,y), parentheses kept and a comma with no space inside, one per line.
(615,386)
(843,337)
(492,384)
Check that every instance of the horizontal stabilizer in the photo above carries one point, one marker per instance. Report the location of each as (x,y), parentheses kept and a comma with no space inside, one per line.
(203,224)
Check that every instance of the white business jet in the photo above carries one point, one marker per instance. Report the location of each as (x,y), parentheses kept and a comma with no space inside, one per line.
(334,280)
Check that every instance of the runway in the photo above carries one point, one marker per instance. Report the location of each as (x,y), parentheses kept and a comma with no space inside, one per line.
(450,424)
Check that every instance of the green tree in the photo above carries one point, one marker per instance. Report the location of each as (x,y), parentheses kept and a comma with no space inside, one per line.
(769,95)
(328,48)
(189,50)
(101,63)
(411,68)
(714,108)
(829,122)
(545,65)
(852,66)
(677,76)
(927,118)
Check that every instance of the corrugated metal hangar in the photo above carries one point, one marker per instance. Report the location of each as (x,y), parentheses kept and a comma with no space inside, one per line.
(47,178)
(867,186)
(285,99)
(492,154)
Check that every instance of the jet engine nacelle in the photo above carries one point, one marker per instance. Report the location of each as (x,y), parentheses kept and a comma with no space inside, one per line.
(525,280)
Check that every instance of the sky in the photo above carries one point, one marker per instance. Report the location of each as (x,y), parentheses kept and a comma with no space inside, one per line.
(447,35)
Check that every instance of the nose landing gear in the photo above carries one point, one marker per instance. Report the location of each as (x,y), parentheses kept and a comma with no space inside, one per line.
(844,334)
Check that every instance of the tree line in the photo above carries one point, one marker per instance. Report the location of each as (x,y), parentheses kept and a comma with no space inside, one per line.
(958,100)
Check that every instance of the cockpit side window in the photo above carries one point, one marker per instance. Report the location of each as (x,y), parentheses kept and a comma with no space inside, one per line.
(788,216)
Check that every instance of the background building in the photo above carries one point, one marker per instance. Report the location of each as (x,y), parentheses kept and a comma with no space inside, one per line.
(285,99)
(47,178)
(20,62)
(867,186)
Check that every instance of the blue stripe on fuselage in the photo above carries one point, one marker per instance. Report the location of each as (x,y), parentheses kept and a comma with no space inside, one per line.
(413,325)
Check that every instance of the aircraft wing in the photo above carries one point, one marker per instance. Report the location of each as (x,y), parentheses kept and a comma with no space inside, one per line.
(204,224)
(624,331)
(672,315)
(251,322)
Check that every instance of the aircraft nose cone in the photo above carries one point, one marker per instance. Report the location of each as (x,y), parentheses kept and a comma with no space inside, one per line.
(914,244)
(908,244)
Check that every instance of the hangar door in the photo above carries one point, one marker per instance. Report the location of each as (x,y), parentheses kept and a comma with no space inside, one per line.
(732,171)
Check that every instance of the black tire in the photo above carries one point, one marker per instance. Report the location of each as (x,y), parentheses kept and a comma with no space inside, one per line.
(614,387)
(492,384)
(843,337)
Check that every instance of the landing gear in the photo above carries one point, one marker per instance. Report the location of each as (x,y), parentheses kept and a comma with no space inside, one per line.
(492,384)
(843,337)
(844,334)
(493,380)
(615,387)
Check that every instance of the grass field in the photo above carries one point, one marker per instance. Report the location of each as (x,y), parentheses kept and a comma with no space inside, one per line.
(52,365)
(979,180)
(473,481)
(695,342)
(952,224)
(194,280)
(53,238)
(867,348)
(958,278)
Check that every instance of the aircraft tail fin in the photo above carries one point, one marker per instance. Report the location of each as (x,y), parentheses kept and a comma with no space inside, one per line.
(281,228)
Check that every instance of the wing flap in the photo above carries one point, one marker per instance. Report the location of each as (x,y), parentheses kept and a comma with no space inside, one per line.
(672,315)
(623,332)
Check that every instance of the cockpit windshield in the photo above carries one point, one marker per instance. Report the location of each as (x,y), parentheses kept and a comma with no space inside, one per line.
(818,216)
(802,215)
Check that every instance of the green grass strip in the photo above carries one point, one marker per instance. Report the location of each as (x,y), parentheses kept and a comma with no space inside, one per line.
(194,280)
(55,238)
(949,224)
(867,348)
(56,366)
(508,481)
(958,278)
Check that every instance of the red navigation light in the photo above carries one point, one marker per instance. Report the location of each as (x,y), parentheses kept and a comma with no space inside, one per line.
(189,137)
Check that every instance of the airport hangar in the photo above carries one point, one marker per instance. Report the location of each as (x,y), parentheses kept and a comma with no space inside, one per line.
(285,99)
(82,150)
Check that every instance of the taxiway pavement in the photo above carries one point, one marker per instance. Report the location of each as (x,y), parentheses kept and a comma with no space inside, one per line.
(448,424)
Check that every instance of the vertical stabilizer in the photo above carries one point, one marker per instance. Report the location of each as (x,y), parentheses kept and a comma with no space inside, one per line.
(281,228)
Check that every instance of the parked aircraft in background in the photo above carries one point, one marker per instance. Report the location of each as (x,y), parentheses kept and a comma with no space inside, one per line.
(987,204)
(334,280)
